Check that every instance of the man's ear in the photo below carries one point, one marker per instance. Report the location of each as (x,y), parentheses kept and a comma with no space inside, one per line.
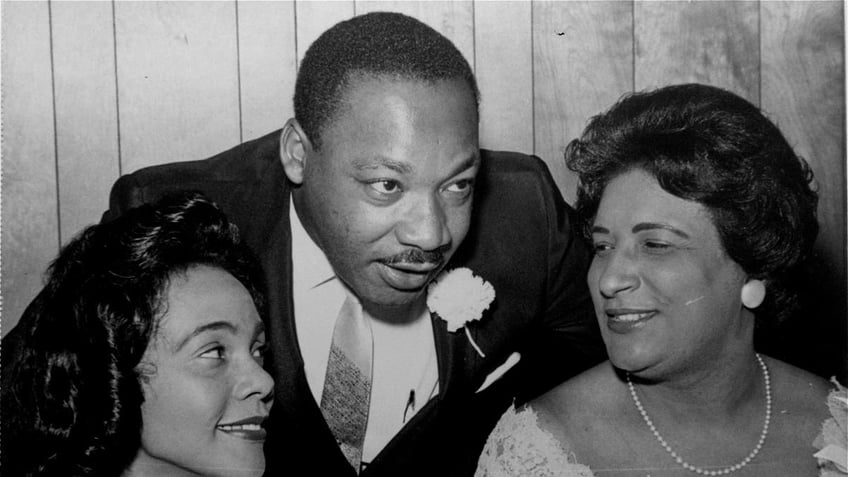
(294,146)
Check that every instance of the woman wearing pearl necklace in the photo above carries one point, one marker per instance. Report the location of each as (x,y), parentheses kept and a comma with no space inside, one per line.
(699,213)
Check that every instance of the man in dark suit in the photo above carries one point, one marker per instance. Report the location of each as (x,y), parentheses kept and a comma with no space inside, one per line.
(364,198)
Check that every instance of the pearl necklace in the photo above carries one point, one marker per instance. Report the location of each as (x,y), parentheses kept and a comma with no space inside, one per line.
(699,470)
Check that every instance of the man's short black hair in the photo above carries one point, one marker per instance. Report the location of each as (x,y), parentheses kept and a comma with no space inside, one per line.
(379,44)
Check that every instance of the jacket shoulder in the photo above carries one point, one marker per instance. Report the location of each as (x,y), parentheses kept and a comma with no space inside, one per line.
(243,166)
(517,180)
(506,162)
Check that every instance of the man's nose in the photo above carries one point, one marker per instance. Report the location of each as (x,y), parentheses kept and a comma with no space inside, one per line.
(424,225)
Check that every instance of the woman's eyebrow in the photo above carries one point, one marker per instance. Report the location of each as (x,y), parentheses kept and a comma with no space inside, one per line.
(654,225)
(258,330)
(215,325)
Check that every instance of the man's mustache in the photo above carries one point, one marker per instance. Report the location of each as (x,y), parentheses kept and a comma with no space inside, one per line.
(417,256)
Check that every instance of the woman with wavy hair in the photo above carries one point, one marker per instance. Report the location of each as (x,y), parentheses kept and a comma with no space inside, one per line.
(700,215)
(143,353)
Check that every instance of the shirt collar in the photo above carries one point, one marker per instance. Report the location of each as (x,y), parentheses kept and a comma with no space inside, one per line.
(308,259)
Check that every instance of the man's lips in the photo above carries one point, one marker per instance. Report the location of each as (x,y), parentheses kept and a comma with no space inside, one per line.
(251,429)
(409,275)
(414,267)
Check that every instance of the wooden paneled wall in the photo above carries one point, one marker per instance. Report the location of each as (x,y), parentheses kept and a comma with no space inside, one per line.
(93,90)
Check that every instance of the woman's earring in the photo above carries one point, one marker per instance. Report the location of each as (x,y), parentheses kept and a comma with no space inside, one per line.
(753,293)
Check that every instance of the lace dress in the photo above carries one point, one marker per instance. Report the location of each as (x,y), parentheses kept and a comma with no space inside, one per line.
(519,447)
(832,441)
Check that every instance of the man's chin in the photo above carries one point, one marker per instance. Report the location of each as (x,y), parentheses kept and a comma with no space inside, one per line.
(398,305)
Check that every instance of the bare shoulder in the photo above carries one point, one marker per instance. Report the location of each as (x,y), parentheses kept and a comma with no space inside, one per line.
(797,386)
(584,392)
(570,411)
(800,401)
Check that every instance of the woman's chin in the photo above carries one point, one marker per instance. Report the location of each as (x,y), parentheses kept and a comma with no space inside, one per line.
(631,361)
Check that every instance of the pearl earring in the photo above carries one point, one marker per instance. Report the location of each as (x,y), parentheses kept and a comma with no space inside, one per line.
(753,293)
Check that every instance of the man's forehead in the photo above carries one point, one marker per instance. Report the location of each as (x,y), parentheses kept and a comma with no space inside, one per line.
(359,81)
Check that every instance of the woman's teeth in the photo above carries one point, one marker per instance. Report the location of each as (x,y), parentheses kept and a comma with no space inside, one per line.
(631,316)
(240,427)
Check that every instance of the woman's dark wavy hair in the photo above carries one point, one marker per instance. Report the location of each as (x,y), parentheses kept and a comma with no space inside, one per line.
(74,405)
(708,145)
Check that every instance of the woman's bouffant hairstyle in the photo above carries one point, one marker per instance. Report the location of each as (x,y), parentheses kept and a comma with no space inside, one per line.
(377,44)
(707,145)
(73,403)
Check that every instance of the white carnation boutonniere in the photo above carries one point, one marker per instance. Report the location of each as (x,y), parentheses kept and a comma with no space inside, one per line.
(832,442)
(458,296)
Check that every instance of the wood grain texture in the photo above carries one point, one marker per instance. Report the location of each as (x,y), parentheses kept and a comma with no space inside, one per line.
(30,231)
(86,111)
(177,80)
(193,78)
(582,63)
(313,18)
(267,65)
(803,91)
(454,19)
(504,64)
(712,42)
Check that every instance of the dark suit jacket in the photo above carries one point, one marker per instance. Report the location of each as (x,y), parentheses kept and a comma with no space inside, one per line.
(521,240)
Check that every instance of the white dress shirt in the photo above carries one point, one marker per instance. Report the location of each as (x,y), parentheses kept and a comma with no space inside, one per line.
(404,354)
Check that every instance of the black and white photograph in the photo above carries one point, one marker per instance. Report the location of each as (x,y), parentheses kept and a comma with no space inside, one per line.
(471,238)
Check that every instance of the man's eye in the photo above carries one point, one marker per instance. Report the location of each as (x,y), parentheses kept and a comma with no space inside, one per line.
(461,187)
(386,187)
(213,353)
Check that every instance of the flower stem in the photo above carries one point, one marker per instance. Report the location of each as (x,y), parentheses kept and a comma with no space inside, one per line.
(476,348)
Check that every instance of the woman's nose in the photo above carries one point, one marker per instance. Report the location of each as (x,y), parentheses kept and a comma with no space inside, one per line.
(255,381)
(618,273)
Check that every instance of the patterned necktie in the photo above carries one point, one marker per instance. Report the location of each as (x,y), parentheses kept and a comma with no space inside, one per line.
(347,385)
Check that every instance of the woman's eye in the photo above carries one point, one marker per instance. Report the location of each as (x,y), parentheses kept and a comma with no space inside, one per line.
(259,353)
(385,187)
(657,247)
(601,247)
(214,353)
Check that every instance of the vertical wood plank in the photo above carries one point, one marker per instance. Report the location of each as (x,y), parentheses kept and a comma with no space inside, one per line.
(454,19)
(177,80)
(267,65)
(30,228)
(313,18)
(504,64)
(803,91)
(86,111)
(582,63)
(698,41)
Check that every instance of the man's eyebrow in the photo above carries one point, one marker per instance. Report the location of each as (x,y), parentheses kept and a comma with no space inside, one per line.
(405,168)
(380,161)
(654,225)
(215,325)
(467,163)
(599,230)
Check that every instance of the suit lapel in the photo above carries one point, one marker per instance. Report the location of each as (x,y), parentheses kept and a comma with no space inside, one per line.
(445,353)
(297,428)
